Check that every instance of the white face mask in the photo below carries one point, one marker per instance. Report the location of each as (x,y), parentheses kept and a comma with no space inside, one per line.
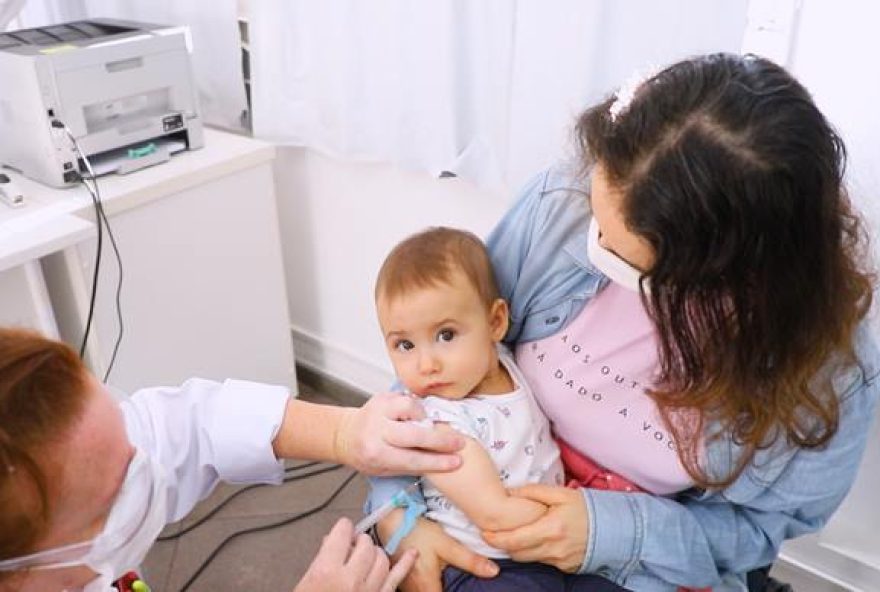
(617,270)
(136,519)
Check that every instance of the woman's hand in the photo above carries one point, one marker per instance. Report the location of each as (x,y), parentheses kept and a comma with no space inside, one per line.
(375,439)
(436,550)
(558,538)
(341,567)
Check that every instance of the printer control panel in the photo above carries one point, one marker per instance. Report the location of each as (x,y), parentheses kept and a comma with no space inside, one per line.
(172,122)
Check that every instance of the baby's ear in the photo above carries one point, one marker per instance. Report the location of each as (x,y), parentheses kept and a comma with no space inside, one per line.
(498,319)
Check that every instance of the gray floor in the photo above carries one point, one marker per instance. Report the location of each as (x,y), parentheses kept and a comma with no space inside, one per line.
(271,560)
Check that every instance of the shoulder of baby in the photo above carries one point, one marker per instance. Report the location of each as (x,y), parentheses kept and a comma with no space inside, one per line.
(439,409)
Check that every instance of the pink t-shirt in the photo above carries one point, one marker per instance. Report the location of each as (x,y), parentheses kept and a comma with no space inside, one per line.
(591,379)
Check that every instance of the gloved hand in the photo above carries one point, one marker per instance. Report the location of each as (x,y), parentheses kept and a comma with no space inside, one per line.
(341,566)
(376,439)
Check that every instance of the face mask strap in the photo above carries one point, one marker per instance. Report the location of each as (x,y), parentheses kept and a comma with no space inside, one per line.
(610,264)
(58,557)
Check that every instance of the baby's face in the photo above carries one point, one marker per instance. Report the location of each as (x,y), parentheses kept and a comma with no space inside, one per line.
(441,339)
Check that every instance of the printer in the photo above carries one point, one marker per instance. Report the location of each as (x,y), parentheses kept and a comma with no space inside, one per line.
(124,91)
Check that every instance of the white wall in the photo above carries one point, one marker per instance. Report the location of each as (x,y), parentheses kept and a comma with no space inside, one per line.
(834,55)
(338,221)
(834,51)
(598,47)
(339,218)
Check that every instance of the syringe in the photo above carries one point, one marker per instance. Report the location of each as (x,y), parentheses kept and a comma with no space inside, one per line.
(399,500)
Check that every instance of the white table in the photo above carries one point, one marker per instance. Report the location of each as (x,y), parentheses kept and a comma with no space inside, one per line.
(204,291)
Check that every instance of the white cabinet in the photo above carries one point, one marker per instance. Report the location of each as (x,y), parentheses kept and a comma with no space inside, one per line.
(25,299)
(26,235)
(203,291)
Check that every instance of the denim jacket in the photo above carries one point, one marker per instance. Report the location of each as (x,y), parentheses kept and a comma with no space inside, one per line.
(697,538)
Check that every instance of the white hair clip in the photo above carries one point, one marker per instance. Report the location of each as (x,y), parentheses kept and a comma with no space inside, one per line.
(627,91)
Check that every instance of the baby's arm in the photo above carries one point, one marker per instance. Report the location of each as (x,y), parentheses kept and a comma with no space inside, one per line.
(477,490)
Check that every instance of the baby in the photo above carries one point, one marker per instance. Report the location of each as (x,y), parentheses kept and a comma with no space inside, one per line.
(443,321)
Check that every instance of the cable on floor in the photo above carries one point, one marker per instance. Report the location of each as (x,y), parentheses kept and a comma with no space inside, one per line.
(284,522)
(222,504)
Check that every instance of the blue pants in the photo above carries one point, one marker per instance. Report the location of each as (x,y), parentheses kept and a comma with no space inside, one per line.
(526,576)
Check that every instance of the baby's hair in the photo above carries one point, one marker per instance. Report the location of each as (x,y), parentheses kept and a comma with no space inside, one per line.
(430,258)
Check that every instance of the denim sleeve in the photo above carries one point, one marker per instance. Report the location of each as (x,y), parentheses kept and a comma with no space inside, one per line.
(699,540)
(509,245)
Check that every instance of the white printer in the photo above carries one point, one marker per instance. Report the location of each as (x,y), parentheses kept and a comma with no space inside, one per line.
(124,90)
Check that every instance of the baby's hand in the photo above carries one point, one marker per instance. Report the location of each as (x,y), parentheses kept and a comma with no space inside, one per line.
(436,550)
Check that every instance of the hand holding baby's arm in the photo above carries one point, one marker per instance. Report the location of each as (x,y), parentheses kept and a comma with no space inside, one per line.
(477,490)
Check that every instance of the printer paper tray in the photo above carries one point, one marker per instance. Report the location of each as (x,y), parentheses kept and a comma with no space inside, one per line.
(128,159)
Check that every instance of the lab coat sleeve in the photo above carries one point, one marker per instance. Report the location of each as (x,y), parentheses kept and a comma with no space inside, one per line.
(204,432)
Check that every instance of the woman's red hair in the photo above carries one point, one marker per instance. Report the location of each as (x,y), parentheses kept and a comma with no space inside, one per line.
(42,392)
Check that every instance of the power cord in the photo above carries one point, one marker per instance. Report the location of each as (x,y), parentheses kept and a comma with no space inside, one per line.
(101,219)
(270,526)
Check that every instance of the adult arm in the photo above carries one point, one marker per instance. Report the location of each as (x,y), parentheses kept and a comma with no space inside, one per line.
(204,432)
(376,438)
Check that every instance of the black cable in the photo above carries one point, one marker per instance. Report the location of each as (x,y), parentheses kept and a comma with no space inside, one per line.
(221,505)
(302,466)
(85,337)
(284,522)
(101,216)
(101,219)
(120,323)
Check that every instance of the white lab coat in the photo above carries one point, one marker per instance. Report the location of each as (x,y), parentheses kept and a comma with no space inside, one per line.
(204,432)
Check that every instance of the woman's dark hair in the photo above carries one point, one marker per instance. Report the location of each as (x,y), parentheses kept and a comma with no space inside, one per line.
(735,178)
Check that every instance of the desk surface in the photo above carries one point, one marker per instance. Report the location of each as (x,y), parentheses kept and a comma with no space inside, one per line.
(53,219)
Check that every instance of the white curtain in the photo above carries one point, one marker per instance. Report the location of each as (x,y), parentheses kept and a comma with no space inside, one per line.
(9,10)
(421,84)
(216,46)
(485,89)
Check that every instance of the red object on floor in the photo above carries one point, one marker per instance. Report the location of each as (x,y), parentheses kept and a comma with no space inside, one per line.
(125,583)
(582,471)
